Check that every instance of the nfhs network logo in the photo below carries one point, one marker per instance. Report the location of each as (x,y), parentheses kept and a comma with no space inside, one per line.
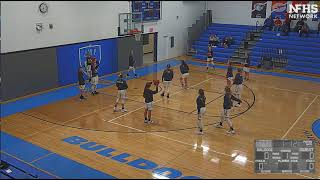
(308,11)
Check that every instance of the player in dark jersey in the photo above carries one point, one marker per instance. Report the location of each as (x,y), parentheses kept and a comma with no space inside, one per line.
(238,80)
(246,68)
(88,66)
(132,64)
(210,57)
(148,99)
(122,93)
(95,77)
(82,83)
(227,106)
(201,107)
(167,77)
(184,69)
(229,75)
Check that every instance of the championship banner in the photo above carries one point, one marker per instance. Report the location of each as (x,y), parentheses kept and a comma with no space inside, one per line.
(279,9)
(259,9)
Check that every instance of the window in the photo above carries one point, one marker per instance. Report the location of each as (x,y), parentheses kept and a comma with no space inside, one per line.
(172,41)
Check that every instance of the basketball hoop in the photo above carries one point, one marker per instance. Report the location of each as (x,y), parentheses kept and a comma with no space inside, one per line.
(136,33)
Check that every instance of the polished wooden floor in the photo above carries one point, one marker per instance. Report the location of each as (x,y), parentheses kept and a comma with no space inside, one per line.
(274,108)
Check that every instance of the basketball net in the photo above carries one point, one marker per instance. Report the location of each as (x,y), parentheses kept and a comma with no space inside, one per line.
(136,33)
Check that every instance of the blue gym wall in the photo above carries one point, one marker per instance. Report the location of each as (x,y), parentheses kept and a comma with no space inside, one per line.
(68,60)
(57,66)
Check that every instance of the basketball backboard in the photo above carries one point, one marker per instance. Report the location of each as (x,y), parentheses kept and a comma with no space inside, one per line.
(129,21)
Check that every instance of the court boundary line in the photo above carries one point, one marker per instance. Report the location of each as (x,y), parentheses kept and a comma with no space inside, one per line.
(302,92)
(272,87)
(211,150)
(170,130)
(299,117)
(42,157)
(8,154)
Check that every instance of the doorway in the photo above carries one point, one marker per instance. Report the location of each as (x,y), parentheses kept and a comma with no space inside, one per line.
(149,48)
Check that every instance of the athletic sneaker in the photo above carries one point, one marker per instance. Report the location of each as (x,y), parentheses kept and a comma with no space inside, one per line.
(123,110)
(146,121)
(218,126)
(93,93)
(231,131)
(237,105)
(162,94)
(168,96)
(135,75)
(82,98)
(115,109)
(150,121)
(96,92)
(200,132)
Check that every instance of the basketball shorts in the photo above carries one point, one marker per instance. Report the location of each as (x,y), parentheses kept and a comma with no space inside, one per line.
(238,88)
(149,106)
(202,111)
(122,94)
(95,80)
(166,83)
(185,75)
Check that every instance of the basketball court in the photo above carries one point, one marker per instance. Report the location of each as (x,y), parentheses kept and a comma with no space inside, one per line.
(274,108)
(51,133)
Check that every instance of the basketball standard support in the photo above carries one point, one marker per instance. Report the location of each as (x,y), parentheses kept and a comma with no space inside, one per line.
(129,22)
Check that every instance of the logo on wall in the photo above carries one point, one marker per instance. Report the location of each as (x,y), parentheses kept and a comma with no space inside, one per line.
(279,9)
(259,9)
(89,51)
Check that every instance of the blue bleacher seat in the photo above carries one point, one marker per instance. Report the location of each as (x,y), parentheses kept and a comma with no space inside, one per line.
(220,54)
(302,52)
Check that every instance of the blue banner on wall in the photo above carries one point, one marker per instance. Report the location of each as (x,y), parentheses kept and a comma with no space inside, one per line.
(71,57)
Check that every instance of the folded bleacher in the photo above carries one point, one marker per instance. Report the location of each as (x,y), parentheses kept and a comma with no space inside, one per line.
(303,53)
(221,54)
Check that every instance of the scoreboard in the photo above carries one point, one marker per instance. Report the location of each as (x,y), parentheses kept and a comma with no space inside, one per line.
(284,156)
(150,10)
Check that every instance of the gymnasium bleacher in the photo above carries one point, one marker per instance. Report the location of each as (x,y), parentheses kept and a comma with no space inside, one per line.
(302,52)
(221,54)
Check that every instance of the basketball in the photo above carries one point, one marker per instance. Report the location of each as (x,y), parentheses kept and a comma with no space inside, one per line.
(160,89)
(156,82)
